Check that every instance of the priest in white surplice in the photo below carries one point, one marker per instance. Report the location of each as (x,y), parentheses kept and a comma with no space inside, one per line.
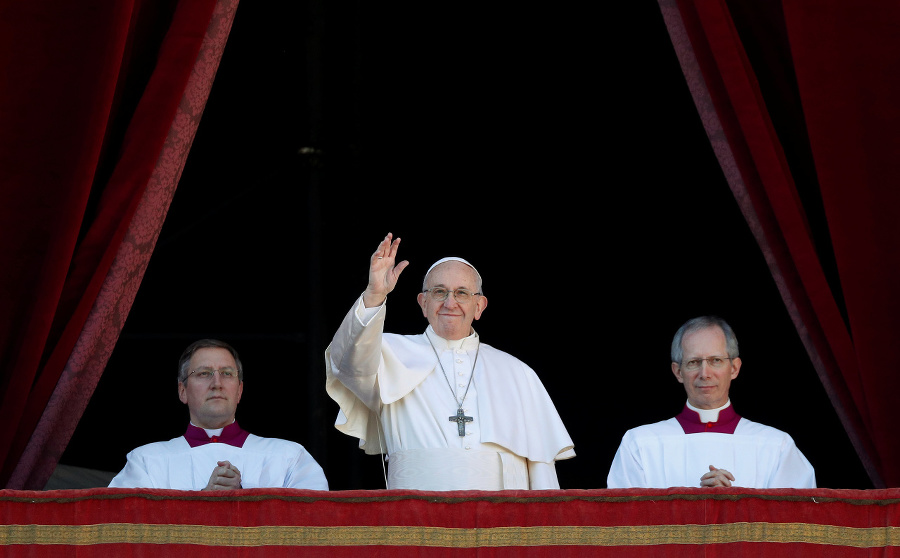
(450,412)
(215,453)
(708,444)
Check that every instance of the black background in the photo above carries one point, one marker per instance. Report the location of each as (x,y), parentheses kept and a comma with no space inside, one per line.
(554,146)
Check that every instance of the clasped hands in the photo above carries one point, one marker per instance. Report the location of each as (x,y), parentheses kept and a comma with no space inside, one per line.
(716,477)
(224,477)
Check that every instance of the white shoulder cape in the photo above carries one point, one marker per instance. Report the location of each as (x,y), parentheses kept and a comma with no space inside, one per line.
(514,408)
(263,462)
(661,455)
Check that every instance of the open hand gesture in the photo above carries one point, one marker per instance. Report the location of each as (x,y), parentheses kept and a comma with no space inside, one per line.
(383,272)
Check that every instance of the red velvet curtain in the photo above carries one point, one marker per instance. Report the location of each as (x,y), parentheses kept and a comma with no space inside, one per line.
(99,103)
(800,102)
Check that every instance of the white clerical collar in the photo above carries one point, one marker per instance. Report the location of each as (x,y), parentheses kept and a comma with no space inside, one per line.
(466,343)
(211,431)
(708,415)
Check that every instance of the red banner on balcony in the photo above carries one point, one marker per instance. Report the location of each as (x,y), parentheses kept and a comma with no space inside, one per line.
(278,522)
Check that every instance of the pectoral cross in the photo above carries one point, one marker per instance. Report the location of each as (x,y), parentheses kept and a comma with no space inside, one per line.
(461,419)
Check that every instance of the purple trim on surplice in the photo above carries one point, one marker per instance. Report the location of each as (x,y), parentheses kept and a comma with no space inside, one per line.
(690,421)
(233,435)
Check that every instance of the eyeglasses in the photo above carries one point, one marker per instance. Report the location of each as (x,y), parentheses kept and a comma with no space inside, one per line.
(714,362)
(206,374)
(461,295)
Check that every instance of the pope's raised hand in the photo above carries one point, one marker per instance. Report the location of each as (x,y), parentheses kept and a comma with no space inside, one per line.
(383,271)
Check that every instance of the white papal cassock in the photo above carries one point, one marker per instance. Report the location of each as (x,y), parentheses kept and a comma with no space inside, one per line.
(512,442)
(665,454)
(263,463)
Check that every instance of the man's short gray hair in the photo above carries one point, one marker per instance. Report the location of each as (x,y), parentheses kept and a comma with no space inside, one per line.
(697,324)
(185,361)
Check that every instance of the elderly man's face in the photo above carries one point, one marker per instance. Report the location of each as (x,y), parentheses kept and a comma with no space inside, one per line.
(707,387)
(213,402)
(449,318)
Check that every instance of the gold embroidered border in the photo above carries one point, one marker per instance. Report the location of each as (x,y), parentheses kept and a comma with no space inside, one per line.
(807,496)
(638,535)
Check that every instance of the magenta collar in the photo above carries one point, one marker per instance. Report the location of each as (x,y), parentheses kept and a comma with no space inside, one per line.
(233,435)
(690,421)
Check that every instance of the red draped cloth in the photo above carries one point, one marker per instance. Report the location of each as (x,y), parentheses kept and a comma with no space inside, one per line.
(729,523)
(100,102)
(800,103)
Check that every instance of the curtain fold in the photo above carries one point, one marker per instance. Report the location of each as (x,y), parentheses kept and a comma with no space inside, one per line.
(830,159)
(101,102)
(848,74)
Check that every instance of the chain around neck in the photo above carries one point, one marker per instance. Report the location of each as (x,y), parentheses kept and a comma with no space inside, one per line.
(459,402)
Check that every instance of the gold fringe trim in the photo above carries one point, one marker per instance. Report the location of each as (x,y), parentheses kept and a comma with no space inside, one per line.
(640,535)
